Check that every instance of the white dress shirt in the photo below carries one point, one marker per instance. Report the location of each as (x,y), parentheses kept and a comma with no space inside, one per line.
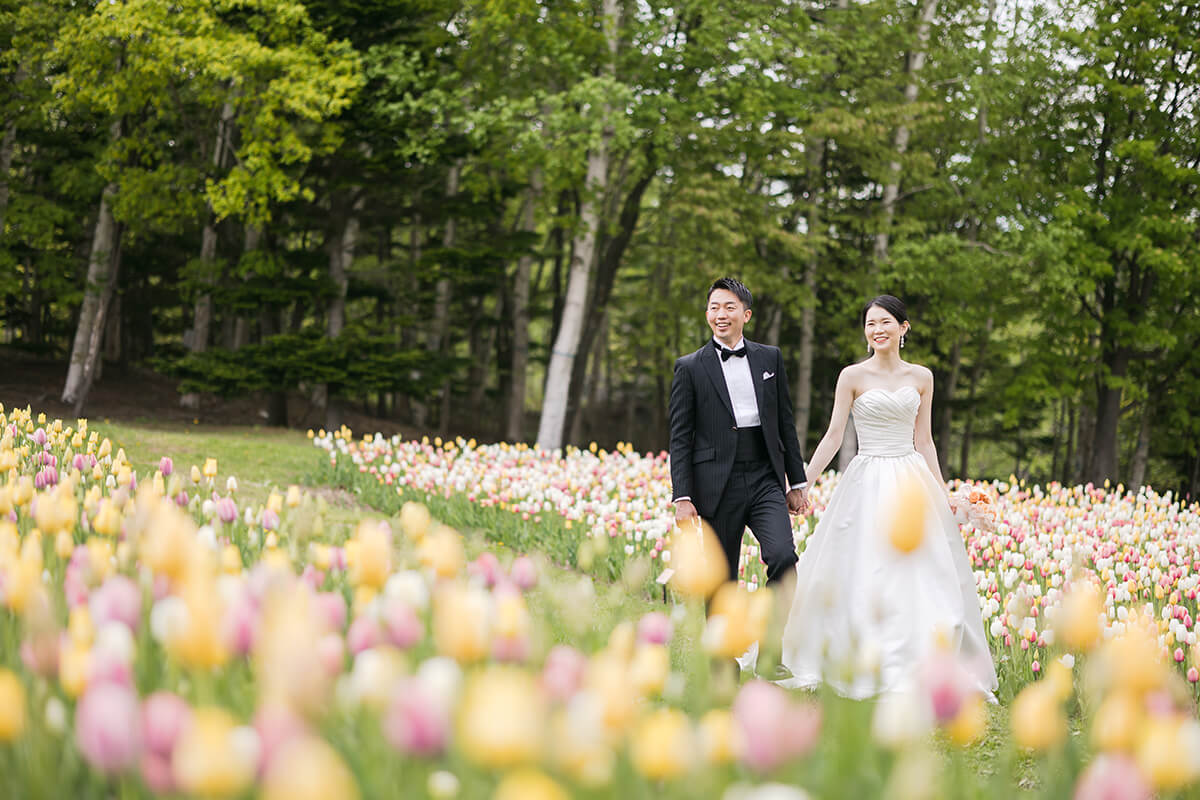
(741,387)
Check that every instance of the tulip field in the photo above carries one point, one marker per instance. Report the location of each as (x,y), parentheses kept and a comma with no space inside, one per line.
(383,617)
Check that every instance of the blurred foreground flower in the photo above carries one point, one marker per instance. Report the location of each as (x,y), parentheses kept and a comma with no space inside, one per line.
(12,706)
(501,719)
(910,507)
(307,768)
(663,745)
(698,560)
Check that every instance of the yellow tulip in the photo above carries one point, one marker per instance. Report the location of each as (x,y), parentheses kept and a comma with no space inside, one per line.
(460,622)
(442,552)
(12,706)
(210,468)
(698,559)
(73,665)
(206,760)
(662,747)
(1037,718)
(1162,754)
(501,718)
(1115,726)
(579,742)
(308,769)
(649,669)
(107,520)
(1078,619)
(293,496)
(969,725)
(373,557)
(737,619)
(720,739)
(907,528)
(415,520)
(529,784)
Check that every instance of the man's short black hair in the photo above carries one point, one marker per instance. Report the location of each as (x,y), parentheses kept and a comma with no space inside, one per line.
(735,286)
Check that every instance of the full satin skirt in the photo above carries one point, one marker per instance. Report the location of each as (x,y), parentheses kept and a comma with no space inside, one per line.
(865,615)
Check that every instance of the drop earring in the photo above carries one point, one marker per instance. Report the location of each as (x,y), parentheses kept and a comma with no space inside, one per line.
(870,351)
(901,341)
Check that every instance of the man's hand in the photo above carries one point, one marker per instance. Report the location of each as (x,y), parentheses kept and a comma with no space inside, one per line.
(797,501)
(685,511)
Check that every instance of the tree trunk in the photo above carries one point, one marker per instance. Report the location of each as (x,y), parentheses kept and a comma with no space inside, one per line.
(802,394)
(440,328)
(891,191)
(202,315)
(969,424)
(100,278)
(945,396)
(562,354)
(612,252)
(8,146)
(341,255)
(520,315)
(1108,414)
(1141,455)
(113,352)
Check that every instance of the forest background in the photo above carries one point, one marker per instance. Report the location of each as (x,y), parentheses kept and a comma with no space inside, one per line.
(501,216)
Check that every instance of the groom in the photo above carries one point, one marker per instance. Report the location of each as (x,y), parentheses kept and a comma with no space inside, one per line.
(735,458)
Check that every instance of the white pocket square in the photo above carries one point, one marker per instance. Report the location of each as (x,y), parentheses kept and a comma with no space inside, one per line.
(768,375)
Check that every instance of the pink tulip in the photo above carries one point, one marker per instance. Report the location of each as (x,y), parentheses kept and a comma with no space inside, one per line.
(563,672)
(165,716)
(511,649)
(404,628)
(312,576)
(331,610)
(1193,675)
(414,724)
(39,437)
(106,667)
(118,600)
(486,567)
(108,728)
(227,510)
(363,634)
(157,774)
(655,628)
(524,573)
(181,499)
(773,728)
(331,653)
(240,625)
(276,726)
(270,520)
(1112,777)
(166,466)
(39,654)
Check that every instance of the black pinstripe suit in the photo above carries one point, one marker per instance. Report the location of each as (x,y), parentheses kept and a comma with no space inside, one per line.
(704,442)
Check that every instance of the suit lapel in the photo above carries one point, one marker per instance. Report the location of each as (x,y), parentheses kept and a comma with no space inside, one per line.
(712,366)
(754,356)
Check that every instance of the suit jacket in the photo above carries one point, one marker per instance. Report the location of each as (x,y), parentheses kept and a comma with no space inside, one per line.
(704,430)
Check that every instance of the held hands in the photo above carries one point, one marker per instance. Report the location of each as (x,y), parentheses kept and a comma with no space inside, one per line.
(797,501)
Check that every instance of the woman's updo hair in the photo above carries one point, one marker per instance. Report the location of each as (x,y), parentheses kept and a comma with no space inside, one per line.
(892,305)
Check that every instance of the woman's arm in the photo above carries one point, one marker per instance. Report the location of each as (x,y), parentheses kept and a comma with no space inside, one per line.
(923,434)
(831,442)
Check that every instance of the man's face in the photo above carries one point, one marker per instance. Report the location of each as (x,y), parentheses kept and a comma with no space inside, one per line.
(726,316)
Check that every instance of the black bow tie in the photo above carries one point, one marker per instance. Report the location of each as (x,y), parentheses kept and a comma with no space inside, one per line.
(726,353)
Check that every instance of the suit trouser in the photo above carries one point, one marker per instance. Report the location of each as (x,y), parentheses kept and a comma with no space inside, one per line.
(753,498)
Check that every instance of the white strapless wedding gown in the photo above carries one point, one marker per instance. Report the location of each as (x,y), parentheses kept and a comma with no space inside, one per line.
(865,615)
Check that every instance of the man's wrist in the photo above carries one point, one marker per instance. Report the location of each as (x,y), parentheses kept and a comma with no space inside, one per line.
(681,499)
(802,485)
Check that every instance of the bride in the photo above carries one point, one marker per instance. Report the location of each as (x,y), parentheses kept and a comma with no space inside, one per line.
(865,615)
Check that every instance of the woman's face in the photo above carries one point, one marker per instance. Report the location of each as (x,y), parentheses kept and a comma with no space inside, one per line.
(882,330)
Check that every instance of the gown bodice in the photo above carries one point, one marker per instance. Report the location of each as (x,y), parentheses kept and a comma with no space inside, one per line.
(884,421)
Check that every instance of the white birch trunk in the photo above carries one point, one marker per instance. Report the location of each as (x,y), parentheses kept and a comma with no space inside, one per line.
(90,329)
(891,191)
(563,351)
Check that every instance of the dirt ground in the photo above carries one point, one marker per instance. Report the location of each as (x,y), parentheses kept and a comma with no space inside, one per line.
(139,395)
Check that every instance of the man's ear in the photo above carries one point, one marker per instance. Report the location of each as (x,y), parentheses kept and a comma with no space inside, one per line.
(749,314)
